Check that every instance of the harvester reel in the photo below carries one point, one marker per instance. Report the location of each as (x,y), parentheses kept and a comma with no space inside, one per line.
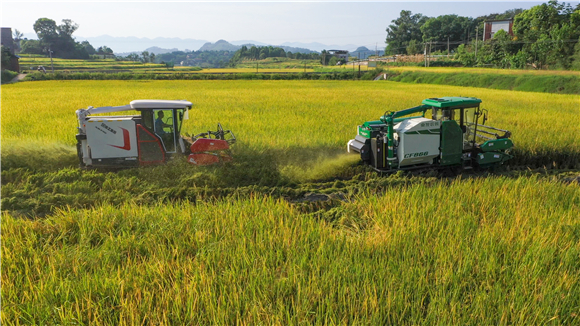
(212,147)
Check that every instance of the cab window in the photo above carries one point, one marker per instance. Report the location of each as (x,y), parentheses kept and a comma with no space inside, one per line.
(147,118)
(163,127)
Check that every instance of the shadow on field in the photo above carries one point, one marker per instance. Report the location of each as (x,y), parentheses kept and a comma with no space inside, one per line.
(38,157)
(36,182)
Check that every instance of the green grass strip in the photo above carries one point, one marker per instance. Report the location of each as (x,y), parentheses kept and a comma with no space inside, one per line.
(526,83)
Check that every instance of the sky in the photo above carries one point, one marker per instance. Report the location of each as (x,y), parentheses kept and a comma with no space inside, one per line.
(328,22)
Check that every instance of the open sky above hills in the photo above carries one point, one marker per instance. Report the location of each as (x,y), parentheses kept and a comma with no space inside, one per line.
(360,24)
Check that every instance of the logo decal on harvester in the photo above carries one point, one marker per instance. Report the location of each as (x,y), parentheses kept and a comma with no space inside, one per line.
(416,154)
(126,141)
(108,128)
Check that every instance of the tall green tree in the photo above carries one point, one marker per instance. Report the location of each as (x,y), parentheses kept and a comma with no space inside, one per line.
(414,47)
(6,56)
(31,47)
(46,30)
(402,30)
(546,31)
(59,39)
(106,50)
(67,28)
(446,27)
(325,57)
(88,47)
(133,57)
(576,56)
(145,55)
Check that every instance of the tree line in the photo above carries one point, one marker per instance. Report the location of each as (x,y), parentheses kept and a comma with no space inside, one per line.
(57,41)
(263,52)
(544,35)
(203,59)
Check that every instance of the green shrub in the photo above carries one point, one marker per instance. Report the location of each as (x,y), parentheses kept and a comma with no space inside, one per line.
(8,75)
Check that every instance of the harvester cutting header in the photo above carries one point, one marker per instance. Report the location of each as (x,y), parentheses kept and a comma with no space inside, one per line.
(452,138)
(150,138)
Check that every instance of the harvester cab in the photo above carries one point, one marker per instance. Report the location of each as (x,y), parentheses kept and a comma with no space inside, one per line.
(150,138)
(452,138)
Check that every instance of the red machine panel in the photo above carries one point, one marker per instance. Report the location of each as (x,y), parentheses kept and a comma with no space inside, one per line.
(207,145)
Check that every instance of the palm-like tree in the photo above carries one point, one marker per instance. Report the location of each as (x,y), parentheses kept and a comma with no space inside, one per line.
(17,35)
(145,55)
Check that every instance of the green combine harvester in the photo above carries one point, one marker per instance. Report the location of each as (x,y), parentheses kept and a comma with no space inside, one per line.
(452,138)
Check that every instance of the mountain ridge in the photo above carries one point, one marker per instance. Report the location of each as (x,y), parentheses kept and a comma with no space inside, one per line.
(134,44)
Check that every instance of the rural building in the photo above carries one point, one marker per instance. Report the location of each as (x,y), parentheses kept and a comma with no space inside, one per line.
(492,26)
(7,41)
(341,55)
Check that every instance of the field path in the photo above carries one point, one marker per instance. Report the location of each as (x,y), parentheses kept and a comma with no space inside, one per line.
(18,78)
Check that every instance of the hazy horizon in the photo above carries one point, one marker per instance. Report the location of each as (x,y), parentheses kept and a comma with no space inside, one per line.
(341,23)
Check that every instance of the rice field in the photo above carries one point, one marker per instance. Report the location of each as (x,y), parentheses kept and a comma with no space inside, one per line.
(31,63)
(97,65)
(408,256)
(244,244)
(279,115)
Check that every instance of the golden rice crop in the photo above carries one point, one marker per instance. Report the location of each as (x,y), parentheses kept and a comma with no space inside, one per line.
(495,250)
(290,114)
(110,64)
(146,246)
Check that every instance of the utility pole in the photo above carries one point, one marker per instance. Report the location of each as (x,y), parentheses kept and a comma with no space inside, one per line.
(256,67)
(447,46)
(476,37)
(51,65)
(429,59)
(425,54)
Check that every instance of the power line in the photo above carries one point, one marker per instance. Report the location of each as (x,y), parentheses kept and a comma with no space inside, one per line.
(510,42)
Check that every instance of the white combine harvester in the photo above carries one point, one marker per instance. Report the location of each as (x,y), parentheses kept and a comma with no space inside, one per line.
(150,138)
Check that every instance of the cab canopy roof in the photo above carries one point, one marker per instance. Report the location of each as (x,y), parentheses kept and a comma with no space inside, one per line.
(142,105)
(452,102)
(159,104)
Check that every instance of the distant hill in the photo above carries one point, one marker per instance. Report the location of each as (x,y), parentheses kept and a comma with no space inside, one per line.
(132,44)
(363,52)
(248,42)
(223,45)
(136,44)
(361,49)
(220,45)
(295,50)
(158,50)
(315,46)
